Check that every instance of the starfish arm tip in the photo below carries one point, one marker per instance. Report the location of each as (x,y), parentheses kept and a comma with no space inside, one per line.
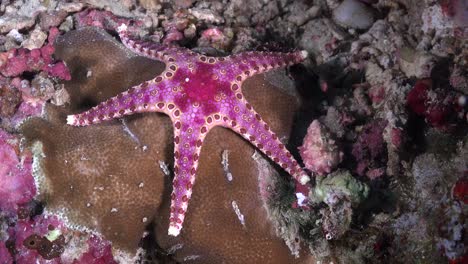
(71,119)
(304,179)
(304,54)
(122,27)
(173,231)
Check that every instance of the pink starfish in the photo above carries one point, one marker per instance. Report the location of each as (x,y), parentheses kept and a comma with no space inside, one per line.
(198,93)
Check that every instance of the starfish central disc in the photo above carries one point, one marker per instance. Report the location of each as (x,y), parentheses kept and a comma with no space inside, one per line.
(202,85)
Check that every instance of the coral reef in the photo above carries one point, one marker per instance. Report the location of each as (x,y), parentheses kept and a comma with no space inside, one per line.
(377,113)
(438,106)
(319,151)
(17,61)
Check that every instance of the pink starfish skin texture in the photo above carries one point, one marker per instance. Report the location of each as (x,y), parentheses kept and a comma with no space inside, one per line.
(198,93)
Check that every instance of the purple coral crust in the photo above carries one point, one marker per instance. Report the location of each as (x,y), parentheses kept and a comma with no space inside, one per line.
(369,149)
(198,92)
(24,228)
(438,106)
(17,61)
(99,252)
(5,256)
(17,184)
(319,150)
(17,188)
(27,106)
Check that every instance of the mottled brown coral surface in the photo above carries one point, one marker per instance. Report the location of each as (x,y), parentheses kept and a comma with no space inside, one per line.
(107,178)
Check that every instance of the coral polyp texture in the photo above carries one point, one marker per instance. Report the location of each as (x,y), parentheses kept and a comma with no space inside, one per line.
(198,92)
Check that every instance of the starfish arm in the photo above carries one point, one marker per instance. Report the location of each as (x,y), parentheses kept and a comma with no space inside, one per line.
(244,65)
(153,50)
(149,96)
(188,140)
(245,121)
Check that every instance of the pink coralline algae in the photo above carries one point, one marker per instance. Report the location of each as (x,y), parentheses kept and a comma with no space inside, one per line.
(17,61)
(216,38)
(32,240)
(31,245)
(369,149)
(99,252)
(319,150)
(417,97)
(46,239)
(19,103)
(199,93)
(458,10)
(17,184)
(5,257)
(460,190)
(437,106)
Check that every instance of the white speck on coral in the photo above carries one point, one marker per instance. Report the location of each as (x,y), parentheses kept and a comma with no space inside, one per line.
(164,168)
(225,163)
(240,216)
(129,132)
(191,257)
(174,248)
